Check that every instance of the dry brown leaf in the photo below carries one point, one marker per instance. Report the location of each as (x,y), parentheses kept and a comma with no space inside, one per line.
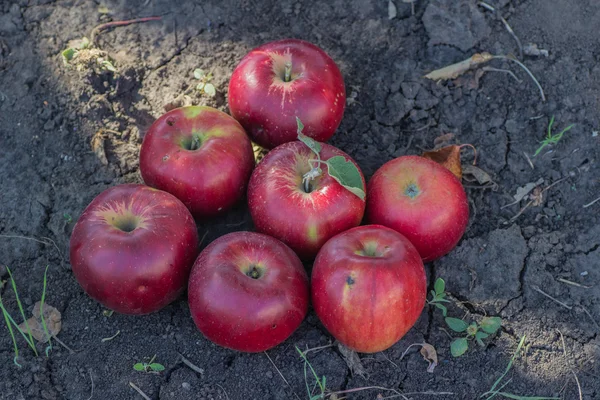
(537,196)
(442,140)
(430,355)
(52,318)
(448,157)
(523,191)
(352,360)
(455,70)
(472,173)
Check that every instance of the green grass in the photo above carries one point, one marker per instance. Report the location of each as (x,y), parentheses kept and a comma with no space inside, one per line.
(10,322)
(551,138)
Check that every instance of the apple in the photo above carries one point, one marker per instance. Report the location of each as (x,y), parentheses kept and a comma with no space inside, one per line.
(248,292)
(422,200)
(368,287)
(133,247)
(303,214)
(200,155)
(282,80)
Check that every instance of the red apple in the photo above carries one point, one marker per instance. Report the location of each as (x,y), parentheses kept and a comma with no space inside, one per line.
(200,155)
(133,247)
(422,200)
(368,287)
(248,292)
(281,206)
(282,80)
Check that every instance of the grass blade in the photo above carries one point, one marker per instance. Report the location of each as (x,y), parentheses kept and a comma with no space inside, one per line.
(14,286)
(42,302)
(12,334)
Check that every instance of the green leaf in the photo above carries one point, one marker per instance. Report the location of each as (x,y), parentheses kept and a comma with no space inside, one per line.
(199,73)
(481,335)
(443,308)
(157,367)
(347,175)
(515,397)
(209,89)
(68,55)
(491,324)
(459,346)
(139,367)
(200,86)
(439,286)
(472,329)
(433,295)
(300,125)
(308,141)
(457,325)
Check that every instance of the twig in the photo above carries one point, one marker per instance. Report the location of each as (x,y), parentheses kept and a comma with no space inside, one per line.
(592,203)
(106,339)
(46,241)
(63,345)
(526,70)
(573,283)
(506,25)
(419,393)
(585,310)
(408,348)
(137,389)
(531,201)
(107,25)
(92,379)
(537,289)
(189,364)
(221,387)
(528,160)
(569,364)
(281,375)
(507,71)
(318,348)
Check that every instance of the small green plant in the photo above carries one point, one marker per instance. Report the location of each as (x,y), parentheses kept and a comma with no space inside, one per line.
(551,138)
(10,322)
(496,391)
(68,218)
(204,85)
(474,330)
(438,296)
(82,55)
(149,366)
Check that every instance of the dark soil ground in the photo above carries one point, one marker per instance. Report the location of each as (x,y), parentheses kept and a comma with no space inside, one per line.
(66,135)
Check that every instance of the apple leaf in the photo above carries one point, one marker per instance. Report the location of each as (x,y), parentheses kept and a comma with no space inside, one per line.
(347,175)
(459,347)
(491,324)
(457,325)
(308,141)
(439,286)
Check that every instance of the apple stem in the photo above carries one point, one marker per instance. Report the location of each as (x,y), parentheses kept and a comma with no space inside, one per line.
(288,72)
(314,172)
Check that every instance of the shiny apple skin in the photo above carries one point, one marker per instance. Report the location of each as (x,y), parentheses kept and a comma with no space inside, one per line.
(209,180)
(267,106)
(368,302)
(135,272)
(304,221)
(435,219)
(236,311)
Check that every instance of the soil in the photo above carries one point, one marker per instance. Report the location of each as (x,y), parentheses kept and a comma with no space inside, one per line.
(68,134)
